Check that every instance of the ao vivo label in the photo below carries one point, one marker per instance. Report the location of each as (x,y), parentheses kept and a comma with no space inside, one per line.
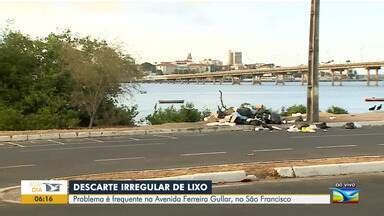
(44,192)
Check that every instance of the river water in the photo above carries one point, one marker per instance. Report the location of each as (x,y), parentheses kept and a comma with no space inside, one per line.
(349,96)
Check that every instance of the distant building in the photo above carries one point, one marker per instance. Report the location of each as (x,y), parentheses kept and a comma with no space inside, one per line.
(198,68)
(237,58)
(211,62)
(167,67)
(230,58)
(183,66)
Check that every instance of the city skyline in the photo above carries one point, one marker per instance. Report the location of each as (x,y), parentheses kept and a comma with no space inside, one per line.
(268,32)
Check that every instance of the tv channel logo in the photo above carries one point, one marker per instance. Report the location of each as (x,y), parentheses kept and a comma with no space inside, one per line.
(345,195)
(51,187)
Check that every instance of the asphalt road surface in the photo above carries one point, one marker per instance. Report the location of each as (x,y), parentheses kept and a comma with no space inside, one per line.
(47,159)
(370,185)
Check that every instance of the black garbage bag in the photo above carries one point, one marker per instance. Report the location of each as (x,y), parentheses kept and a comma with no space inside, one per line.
(244,111)
(322,125)
(350,125)
(275,118)
(241,120)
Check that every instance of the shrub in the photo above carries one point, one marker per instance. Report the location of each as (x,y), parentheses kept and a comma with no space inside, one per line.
(112,115)
(336,110)
(186,113)
(205,113)
(10,119)
(294,109)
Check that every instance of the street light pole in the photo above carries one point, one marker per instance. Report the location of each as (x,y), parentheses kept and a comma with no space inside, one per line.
(313,65)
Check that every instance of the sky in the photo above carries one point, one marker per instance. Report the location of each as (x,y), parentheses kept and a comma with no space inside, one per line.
(274,31)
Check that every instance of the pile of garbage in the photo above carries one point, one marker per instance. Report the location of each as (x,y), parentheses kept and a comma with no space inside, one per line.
(245,114)
(264,119)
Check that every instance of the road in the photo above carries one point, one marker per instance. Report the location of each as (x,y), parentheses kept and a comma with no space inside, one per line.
(370,185)
(64,157)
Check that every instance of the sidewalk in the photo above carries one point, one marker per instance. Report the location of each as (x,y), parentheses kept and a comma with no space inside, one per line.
(364,119)
(198,127)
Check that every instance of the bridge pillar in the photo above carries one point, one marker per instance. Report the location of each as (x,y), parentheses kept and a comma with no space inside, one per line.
(280,81)
(197,81)
(303,78)
(256,80)
(333,77)
(221,80)
(368,76)
(377,77)
(341,78)
(236,80)
(204,81)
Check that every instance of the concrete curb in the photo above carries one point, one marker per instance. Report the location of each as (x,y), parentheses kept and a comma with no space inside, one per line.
(215,177)
(207,129)
(330,169)
(82,134)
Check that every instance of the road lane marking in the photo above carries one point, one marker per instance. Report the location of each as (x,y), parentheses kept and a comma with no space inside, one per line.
(17,166)
(134,139)
(336,146)
(203,153)
(94,140)
(118,159)
(380,144)
(16,144)
(271,150)
(165,136)
(337,135)
(93,147)
(58,142)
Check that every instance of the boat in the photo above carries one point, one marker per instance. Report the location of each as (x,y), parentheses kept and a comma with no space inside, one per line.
(170,101)
(373,99)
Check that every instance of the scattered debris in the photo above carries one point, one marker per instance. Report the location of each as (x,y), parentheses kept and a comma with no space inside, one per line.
(306,128)
(322,125)
(265,119)
(293,128)
(352,125)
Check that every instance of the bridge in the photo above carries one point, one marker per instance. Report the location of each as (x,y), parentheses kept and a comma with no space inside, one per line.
(278,73)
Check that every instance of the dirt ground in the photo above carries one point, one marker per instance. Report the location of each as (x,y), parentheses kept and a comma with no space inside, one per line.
(263,170)
(372,116)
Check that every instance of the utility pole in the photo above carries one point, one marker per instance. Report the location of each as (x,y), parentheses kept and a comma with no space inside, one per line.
(313,65)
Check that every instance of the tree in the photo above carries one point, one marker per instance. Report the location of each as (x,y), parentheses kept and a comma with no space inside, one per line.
(97,70)
(146,66)
(34,94)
